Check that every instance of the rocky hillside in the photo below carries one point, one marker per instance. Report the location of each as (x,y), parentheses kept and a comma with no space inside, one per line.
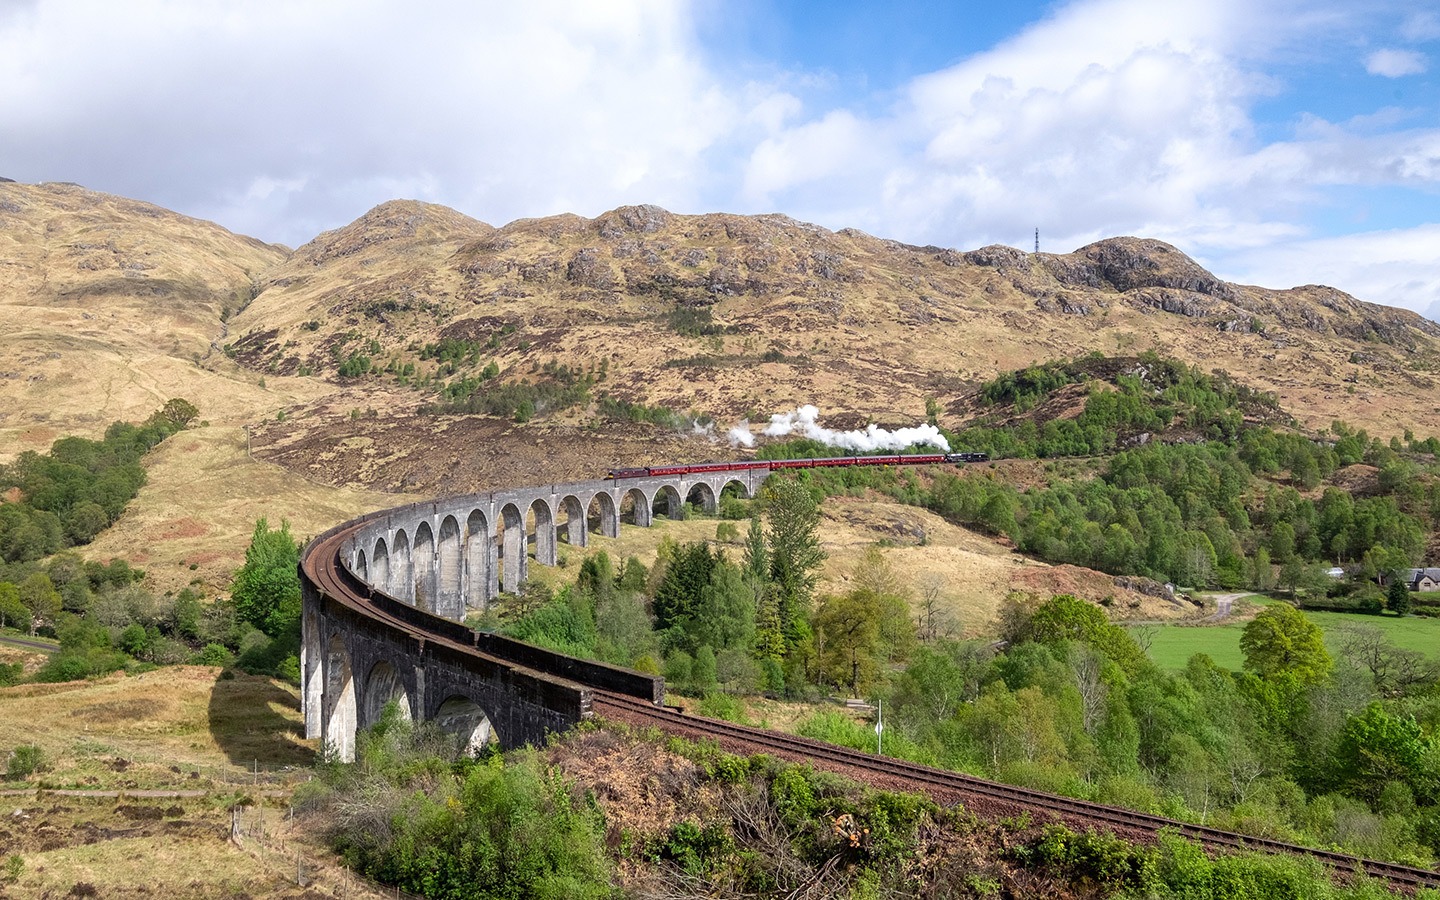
(110,305)
(107,306)
(749,315)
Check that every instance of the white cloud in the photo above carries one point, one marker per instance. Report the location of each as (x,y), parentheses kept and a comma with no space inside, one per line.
(1392,63)
(1396,267)
(1421,26)
(1106,117)
(502,110)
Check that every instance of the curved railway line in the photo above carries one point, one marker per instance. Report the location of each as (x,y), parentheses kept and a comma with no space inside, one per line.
(323,565)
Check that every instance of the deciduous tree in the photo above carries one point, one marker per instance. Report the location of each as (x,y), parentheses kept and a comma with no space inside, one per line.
(1281,641)
(266,589)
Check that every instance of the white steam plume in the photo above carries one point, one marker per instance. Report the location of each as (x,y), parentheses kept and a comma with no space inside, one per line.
(740,435)
(803,422)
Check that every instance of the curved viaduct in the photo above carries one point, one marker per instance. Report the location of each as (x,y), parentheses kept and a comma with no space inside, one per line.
(383,597)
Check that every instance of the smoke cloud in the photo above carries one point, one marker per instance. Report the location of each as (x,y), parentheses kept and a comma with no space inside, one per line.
(740,435)
(804,422)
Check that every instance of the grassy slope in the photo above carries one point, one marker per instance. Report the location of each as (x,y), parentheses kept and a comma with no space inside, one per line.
(1173,645)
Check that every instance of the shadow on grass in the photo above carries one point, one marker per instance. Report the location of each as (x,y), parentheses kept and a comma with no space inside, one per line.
(256,721)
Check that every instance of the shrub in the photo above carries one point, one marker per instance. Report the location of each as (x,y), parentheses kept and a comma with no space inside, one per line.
(25,760)
(213,655)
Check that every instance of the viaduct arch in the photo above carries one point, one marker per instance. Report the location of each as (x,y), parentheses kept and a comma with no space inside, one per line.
(421,568)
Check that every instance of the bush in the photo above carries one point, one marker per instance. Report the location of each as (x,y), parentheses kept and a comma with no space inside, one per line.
(213,655)
(25,760)
(471,829)
(82,662)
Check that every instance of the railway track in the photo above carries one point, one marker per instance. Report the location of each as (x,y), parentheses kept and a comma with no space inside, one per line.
(323,565)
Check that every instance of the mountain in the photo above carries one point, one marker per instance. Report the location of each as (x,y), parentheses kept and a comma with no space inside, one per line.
(110,306)
(107,308)
(748,315)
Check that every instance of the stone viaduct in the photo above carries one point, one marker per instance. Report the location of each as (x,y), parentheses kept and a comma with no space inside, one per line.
(384,596)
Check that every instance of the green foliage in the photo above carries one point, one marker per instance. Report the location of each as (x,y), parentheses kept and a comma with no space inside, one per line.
(686,576)
(1280,641)
(561,388)
(693,321)
(76,490)
(565,625)
(793,551)
(471,829)
(848,628)
(1378,748)
(1068,618)
(25,760)
(625,411)
(266,589)
(1397,597)
(1095,857)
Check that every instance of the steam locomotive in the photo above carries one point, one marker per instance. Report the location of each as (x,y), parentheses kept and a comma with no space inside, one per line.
(902,459)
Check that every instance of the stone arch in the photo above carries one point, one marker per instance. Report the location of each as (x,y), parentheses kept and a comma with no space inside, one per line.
(312,669)
(703,496)
(575,532)
(422,556)
(736,488)
(602,515)
(463,718)
(339,701)
(546,553)
(635,506)
(674,504)
(382,685)
(479,561)
(512,548)
(380,562)
(449,572)
(362,569)
(402,570)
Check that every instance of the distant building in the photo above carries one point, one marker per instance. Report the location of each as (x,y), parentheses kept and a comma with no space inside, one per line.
(1335,572)
(1423,579)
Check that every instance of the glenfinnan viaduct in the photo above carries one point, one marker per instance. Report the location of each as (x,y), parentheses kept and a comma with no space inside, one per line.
(384,596)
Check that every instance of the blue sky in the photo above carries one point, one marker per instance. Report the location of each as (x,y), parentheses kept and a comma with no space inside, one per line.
(1278,142)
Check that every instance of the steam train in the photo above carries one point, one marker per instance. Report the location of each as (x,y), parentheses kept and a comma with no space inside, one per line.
(901,459)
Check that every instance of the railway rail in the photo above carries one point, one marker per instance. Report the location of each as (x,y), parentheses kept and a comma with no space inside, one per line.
(323,565)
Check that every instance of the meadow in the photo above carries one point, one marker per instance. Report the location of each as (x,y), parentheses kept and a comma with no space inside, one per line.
(1172,645)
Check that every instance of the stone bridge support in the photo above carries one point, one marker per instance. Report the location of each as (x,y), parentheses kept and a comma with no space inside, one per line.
(456,555)
(353,666)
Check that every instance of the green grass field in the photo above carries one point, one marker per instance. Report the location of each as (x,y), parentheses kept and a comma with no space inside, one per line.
(1173,645)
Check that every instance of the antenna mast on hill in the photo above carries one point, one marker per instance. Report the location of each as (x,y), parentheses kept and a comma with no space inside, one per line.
(1037,240)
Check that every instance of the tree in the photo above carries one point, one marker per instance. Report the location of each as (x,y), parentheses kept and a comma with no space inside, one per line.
(686,575)
(1396,671)
(1282,641)
(1377,747)
(1262,577)
(176,414)
(848,628)
(40,597)
(1068,618)
(724,615)
(266,589)
(13,613)
(1397,596)
(794,549)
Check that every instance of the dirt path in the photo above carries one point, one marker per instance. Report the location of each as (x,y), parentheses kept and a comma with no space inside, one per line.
(1223,605)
